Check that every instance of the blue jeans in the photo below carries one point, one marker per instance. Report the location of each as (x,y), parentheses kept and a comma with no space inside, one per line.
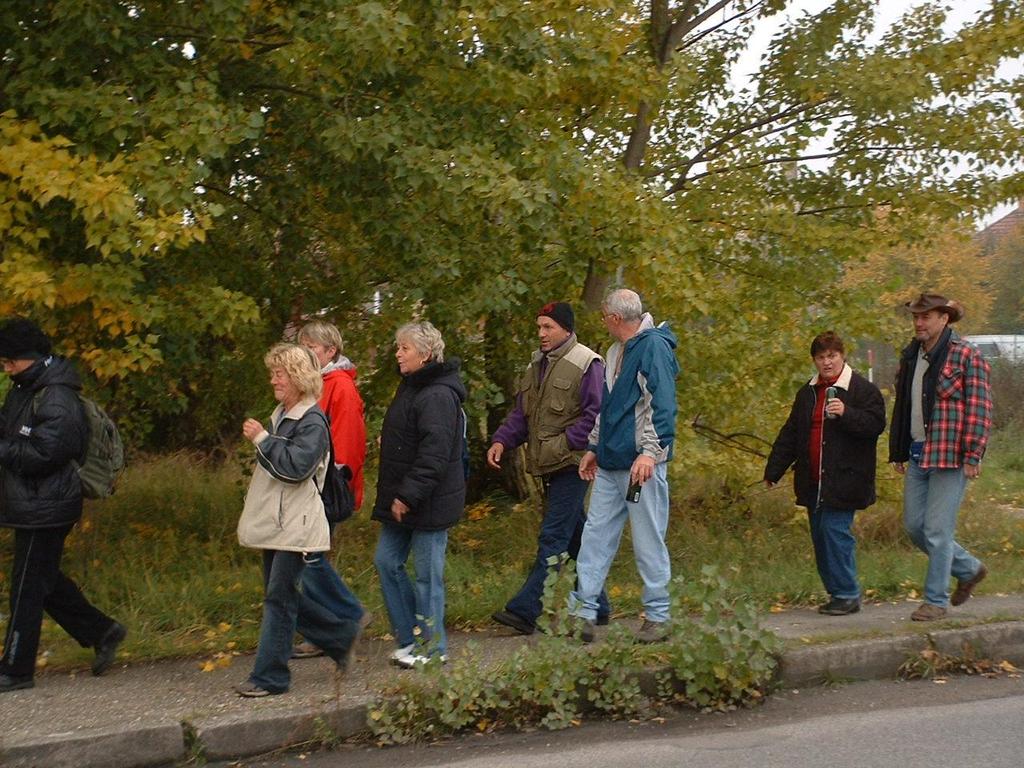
(409,606)
(834,551)
(285,608)
(561,531)
(324,585)
(931,500)
(648,521)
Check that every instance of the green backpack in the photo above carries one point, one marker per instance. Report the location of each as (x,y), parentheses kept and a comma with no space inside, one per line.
(102,464)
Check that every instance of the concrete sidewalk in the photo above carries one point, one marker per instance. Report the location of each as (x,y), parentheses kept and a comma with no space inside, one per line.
(160,713)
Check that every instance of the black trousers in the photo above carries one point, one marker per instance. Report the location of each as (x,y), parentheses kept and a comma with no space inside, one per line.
(38,585)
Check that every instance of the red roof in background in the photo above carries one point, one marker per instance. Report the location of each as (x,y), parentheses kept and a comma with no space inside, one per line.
(992,235)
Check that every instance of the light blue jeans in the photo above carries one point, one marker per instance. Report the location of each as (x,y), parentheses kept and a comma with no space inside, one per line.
(648,521)
(931,500)
(408,606)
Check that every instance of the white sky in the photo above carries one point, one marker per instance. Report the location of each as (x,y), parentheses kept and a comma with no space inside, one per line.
(962,11)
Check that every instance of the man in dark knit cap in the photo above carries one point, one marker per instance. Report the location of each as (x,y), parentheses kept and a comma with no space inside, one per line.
(43,433)
(558,399)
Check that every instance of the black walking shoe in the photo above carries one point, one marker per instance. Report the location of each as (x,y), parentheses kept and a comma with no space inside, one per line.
(513,621)
(585,628)
(106,648)
(838,606)
(15,682)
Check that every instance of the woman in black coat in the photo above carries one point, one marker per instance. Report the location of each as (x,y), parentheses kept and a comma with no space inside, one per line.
(43,432)
(421,490)
(832,443)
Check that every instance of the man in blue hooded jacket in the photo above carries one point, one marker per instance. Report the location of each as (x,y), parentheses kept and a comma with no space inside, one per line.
(629,449)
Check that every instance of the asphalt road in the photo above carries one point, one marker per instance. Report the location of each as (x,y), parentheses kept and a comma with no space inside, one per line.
(964,722)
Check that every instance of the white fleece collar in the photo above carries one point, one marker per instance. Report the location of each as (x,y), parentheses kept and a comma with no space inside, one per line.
(843,382)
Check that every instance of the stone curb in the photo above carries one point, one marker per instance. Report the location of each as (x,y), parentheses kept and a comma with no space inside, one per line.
(237,736)
(881,657)
(139,746)
(241,736)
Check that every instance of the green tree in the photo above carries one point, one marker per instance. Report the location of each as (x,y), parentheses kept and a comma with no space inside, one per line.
(1007,265)
(947,261)
(184,179)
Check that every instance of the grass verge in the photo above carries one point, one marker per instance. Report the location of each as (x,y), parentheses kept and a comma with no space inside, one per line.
(162,555)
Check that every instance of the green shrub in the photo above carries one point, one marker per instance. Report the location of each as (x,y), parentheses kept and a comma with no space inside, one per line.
(715,658)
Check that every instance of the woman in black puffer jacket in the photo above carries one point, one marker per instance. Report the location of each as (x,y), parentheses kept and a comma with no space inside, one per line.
(829,439)
(421,489)
(43,431)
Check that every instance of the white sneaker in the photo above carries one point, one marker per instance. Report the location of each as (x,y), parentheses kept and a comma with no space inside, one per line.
(403,652)
(413,660)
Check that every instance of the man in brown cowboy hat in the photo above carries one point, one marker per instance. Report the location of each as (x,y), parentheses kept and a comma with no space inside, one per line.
(940,426)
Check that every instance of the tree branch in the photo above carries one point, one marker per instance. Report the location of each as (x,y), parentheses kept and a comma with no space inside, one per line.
(665,37)
(231,196)
(778,129)
(684,24)
(702,155)
(798,158)
(683,45)
(283,89)
(830,209)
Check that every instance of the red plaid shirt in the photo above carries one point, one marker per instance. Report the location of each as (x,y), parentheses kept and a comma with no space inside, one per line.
(962,415)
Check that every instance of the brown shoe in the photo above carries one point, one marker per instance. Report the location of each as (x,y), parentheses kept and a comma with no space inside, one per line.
(306,650)
(928,612)
(652,631)
(965,588)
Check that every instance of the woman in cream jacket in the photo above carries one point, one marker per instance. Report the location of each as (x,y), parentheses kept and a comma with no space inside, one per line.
(284,516)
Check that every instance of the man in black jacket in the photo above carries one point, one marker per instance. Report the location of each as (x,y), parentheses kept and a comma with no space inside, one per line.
(43,431)
(832,440)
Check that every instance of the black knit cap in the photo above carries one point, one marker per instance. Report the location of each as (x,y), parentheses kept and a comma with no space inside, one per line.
(560,312)
(21,339)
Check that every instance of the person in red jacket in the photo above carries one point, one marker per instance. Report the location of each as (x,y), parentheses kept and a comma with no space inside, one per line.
(341,400)
(344,408)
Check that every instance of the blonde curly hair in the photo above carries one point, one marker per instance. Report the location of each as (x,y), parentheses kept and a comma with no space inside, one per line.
(301,366)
